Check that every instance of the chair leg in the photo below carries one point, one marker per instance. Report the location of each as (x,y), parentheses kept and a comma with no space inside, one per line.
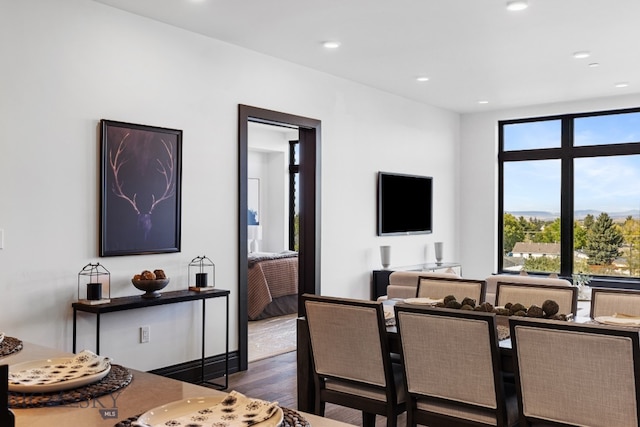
(319,407)
(392,419)
(410,421)
(368,419)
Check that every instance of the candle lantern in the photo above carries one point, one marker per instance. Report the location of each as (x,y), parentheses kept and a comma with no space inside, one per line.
(202,274)
(94,284)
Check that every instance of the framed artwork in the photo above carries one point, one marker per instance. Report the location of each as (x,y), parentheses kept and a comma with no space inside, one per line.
(140,189)
(253,201)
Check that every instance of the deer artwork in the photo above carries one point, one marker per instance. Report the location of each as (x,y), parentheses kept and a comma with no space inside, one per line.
(122,156)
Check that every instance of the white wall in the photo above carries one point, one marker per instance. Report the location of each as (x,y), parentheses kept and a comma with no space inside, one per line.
(479,176)
(69,63)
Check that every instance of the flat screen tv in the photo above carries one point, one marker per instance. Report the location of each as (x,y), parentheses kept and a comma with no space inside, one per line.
(404,204)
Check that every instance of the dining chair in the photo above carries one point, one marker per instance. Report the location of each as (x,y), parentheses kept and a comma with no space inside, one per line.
(528,294)
(572,374)
(7,418)
(351,362)
(607,302)
(453,369)
(404,284)
(492,282)
(440,287)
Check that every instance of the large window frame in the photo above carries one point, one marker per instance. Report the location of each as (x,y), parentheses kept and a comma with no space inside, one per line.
(566,153)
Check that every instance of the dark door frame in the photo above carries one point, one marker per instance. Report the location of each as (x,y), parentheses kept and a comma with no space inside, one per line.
(309,253)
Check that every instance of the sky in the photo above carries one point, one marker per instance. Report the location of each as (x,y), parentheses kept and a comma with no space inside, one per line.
(608,184)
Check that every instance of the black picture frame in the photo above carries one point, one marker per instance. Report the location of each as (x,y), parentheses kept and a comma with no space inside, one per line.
(140,189)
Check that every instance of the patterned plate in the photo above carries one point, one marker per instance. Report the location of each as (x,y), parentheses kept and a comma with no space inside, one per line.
(199,411)
(43,376)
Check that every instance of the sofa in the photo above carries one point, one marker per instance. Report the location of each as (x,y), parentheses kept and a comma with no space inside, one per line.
(492,282)
(404,284)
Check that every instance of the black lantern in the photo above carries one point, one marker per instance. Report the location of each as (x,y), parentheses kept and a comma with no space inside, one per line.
(202,274)
(94,284)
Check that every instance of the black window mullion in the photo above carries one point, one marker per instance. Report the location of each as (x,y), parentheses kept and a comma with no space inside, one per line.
(294,169)
(500,198)
(526,155)
(566,199)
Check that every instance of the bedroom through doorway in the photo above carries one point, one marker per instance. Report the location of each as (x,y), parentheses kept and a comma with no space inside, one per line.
(309,251)
(272,232)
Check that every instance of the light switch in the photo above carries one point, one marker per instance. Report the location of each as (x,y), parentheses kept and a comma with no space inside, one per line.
(1,238)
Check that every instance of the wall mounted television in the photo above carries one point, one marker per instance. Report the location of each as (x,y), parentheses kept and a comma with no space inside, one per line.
(404,204)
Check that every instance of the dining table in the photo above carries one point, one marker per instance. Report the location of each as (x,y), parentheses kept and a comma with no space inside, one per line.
(144,392)
(306,391)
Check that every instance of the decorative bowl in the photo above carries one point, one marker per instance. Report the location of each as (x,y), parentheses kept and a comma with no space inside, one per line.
(150,287)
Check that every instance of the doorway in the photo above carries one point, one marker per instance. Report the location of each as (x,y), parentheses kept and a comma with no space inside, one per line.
(272,281)
(309,227)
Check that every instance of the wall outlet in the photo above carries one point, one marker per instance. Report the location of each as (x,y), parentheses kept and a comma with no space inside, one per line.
(145,334)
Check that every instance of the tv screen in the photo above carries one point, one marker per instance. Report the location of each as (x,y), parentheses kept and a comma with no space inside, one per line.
(404,204)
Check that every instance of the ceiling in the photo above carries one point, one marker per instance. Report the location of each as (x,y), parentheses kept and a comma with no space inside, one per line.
(471,50)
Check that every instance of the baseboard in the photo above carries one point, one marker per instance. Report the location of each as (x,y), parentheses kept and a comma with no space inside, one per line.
(191,371)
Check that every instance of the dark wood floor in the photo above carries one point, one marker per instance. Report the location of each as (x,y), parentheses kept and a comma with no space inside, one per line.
(274,379)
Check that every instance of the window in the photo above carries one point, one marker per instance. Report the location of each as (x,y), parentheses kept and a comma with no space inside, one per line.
(294,196)
(570,195)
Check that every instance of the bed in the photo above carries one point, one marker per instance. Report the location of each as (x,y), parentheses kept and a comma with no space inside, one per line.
(272,283)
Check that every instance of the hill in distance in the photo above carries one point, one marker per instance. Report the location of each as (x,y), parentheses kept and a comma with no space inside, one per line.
(579,215)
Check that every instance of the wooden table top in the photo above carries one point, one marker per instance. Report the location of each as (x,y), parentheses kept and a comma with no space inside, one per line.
(146,391)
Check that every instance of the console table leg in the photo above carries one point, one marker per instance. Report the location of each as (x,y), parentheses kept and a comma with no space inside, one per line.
(203,341)
(226,351)
(74,330)
(98,333)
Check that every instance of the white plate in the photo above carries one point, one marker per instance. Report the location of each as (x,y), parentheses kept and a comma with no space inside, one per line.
(618,321)
(422,301)
(180,408)
(58,374)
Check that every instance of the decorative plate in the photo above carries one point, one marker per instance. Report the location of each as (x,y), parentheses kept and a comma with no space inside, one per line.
(43,376)
(212,410)
(422,301)
(619,320)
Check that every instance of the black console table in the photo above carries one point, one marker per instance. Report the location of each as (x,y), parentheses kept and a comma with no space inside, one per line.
(133,302)
(380,279)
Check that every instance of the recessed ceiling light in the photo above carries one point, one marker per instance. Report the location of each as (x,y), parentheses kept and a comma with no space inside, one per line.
(331,44)
(594,65)
(581,54)
(517,5)
(483,102)
(422,79)
(622,84)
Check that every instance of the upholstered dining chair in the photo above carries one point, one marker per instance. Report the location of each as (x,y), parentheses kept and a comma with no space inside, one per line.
(351,359)
(7,419)
(440,287)
(607,302)
(453,368)
(528,294)
(572,374)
